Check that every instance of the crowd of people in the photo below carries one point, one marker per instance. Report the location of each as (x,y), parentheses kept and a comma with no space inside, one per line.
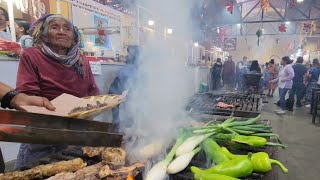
(296,78)
(21,28)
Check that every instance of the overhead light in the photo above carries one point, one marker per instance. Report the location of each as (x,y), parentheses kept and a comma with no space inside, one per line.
(288,22)
(169,31)
(196,44)
(299,1)
(151,22)
(238,24)
(218,30)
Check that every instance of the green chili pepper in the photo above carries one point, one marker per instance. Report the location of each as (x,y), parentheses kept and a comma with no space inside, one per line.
(260,161)
(213,150)
(239,167)
(204,176)
(254,141)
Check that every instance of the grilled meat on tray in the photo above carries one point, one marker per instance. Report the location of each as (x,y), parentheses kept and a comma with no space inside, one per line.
(45,170)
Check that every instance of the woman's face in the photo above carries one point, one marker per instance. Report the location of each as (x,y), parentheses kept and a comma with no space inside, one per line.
(2,18)
(60,34)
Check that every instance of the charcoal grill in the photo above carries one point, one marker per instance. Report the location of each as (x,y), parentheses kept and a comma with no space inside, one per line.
(249,105)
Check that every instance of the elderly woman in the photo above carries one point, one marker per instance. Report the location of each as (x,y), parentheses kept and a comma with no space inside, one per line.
(52,67)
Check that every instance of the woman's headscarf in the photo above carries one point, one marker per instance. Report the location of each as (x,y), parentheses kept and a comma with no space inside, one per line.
(72,58)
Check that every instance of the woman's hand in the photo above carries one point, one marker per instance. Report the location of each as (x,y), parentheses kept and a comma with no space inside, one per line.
(22,99)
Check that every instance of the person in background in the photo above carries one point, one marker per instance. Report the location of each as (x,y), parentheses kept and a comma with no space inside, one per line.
(298,86)
(255,68)
(305,82)
(284,80)
(266,76)
(312,81)
(216,74)
(124,80)
(4,17)
(272,69)
(52,67)
(242,69)
(228,73)
(22,26)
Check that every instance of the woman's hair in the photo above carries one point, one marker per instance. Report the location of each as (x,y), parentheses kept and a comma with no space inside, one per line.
(22,23)
(315,62)
(219,60)
(271,61)
(5,13)
(286,59)
(255,66)
(51,18)
(267,63)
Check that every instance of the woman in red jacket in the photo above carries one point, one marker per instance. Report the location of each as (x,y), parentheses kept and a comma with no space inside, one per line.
(50,68)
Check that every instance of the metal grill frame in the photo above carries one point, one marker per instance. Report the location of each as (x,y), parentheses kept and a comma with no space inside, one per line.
(251,104)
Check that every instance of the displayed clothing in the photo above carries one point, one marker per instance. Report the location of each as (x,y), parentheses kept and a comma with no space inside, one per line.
(314,73)
(43,76)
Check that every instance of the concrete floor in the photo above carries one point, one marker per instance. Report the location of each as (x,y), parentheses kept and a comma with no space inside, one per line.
(302,157)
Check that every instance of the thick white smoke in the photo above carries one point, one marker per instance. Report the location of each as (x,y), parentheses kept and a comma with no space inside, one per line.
(163,82)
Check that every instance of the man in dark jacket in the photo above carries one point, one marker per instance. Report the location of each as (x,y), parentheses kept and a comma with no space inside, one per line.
(298,86)
(228,74)
(124,79)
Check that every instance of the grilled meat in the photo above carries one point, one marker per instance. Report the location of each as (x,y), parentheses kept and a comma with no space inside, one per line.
(120,173)
(114,156)
(93,151)
(45,170)
(87,173)
(88,107)
(224,105)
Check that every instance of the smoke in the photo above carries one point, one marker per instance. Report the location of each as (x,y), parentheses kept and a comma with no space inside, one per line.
(162,85)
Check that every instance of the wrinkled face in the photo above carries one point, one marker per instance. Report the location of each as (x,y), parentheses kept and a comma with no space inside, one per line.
(2,17)
(60,34)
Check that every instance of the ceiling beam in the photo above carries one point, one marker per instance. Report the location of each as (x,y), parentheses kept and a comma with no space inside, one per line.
(286,9)
(302,13)
(293,20)
(316,7)
(250,11)
(280,15)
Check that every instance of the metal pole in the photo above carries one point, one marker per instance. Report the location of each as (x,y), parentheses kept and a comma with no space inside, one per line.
(11,20)
(58,7)
(138,24)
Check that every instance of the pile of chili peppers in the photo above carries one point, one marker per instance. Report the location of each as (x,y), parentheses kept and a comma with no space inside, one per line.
(228,166)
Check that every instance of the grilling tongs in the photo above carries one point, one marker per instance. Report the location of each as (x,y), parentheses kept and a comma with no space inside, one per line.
(33,128)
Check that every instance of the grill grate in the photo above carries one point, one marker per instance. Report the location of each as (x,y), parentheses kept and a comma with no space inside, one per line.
(246,105)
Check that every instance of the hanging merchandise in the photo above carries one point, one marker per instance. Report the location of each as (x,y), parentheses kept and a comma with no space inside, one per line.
(309,27)
(282,28)
(230,6)
(293,4)
(259,34)
(264,5)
